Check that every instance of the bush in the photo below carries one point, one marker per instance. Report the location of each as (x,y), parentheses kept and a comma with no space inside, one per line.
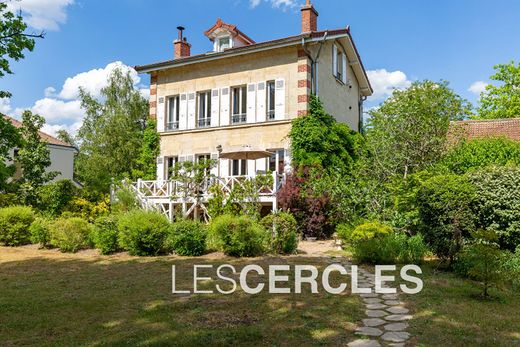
(479,153)
(86,209)
(282,227)
(497,202)
(105,234)
(445,214)
(40,231)
(390,249)
(54,197)
(512,267)
(187,238)
(142,232)
(70,234)
(125,200)
(7,199)
(14,225)
(238,236)
(368,231)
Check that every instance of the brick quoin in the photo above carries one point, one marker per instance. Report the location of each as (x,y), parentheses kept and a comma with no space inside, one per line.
(301,53)
(304,68)
(302,113)
(304,84)
(153,104)
(303,98)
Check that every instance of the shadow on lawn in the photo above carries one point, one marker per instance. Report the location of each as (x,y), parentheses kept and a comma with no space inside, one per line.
(67,300)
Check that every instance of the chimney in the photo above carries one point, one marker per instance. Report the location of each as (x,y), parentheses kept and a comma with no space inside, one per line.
(181,47)
(309,18)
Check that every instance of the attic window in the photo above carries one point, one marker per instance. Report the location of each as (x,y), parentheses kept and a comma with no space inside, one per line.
(223,43)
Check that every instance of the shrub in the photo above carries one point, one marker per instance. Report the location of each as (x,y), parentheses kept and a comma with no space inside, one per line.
(40,231)
(86,209)
(7,199)
(125,200)
(142,232)
(497,202)
(282,227)
(70,234)
(187,238)
(54,197)
(445,214)
(105,234)
(238,236)
(482,260)
(368,231)
(479,153)
(512,267)
(390,249)
(14,225)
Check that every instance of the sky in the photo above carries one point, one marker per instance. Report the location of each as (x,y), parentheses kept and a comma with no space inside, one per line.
(400,41)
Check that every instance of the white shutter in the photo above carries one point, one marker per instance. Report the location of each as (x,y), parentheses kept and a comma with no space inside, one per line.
(251,168)
(161,109)
(334,60)
(224,106)
(191,110)
(224,167)
(183,111)
(344,65)
(279,98)
(214,170)
(260,102)
(160,168)
(287,161)
(251,103)
(215,108)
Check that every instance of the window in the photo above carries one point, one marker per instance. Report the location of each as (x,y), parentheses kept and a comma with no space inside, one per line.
(338,63)
(172,123)
(223,43)
(270,100)
(277,160)
(170,165)
(204,113)
(203,158)
(239,97)
(238,167)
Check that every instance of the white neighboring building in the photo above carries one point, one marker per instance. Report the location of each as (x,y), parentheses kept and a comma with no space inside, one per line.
(61,154)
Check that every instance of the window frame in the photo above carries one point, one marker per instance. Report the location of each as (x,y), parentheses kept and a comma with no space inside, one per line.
(172,125)
(169,168)
(241,116)
(270,89)
(278,153)
(204,122)
(241,168)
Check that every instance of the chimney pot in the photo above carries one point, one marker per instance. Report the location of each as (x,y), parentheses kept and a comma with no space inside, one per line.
(181,47)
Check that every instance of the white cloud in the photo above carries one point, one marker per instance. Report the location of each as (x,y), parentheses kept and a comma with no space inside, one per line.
(385,82)
(42,14)
(94,80)
(478,87)
(63,110)
(282,4)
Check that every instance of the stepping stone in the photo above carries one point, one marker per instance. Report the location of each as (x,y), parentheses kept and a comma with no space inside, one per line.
(369,295)
(396,326)
(397,310)
(372,300)
(390,296)
(375,313)
(398,318)
(396,344)
(364,343)
(379,307)
(367,331)
(364,285)
(393,302)
(396,336)
(375,322)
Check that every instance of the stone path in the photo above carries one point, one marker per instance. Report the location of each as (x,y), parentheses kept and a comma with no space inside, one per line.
(386,321)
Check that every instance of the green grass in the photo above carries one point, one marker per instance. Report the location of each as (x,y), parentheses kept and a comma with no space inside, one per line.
(450,312)
(49,298)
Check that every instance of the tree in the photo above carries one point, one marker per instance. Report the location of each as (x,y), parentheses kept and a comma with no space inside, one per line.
(9,139)
(34,158)
(13,40)
(111,137)
(408,131)
(503,100)
(64,136)
(149,151)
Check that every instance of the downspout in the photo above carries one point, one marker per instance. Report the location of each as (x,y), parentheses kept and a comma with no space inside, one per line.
(314,63)
(360,120)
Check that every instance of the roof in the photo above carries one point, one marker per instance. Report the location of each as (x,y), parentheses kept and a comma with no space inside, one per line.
(507,127)
(45,137)
(231,28)
(262,46)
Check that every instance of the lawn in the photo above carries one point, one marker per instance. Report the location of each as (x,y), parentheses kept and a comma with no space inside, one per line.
(450,312)
(50,298)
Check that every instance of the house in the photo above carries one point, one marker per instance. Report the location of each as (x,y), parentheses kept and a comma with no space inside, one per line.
(242,96)
(61,155)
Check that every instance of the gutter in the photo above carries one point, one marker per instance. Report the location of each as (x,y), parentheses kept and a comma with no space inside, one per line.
(314,62)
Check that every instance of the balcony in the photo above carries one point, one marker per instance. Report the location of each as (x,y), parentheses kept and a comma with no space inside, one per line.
(204,122)
(172,126)
(238,118)
(270,115)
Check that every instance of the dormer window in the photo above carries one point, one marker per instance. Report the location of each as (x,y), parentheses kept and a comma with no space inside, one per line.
(223,43)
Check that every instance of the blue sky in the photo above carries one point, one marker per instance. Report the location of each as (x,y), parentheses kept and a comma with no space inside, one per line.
(399,41)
